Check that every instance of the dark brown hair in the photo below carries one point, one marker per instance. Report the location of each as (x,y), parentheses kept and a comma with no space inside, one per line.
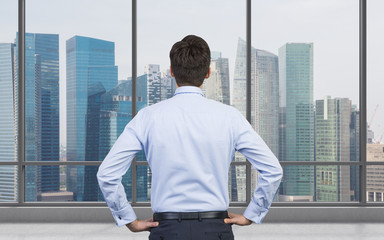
(190,60)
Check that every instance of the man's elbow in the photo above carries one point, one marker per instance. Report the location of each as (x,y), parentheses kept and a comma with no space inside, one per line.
(100,175)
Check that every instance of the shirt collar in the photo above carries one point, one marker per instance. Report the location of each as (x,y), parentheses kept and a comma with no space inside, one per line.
(188,90)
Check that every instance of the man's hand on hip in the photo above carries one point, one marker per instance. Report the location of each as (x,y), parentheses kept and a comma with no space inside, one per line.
(142,225)
(237,219)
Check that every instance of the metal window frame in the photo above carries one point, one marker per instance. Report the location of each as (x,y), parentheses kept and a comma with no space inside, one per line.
(21,163)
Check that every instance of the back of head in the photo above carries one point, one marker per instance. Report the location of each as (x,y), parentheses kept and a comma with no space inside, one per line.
(190,60)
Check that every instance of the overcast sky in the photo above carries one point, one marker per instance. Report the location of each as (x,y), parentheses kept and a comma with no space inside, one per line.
(331,25)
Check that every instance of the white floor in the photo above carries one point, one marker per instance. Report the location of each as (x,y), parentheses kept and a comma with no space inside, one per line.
(266,231)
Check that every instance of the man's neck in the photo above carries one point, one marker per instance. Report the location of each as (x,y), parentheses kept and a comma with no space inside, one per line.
(177,86)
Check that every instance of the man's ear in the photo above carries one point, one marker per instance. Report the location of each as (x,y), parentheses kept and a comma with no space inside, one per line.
(208,74)
(170,69)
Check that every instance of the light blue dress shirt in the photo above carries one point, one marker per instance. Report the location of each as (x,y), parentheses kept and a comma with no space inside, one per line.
(189,142)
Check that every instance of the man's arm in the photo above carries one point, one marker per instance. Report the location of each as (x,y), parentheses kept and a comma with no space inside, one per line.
(270,172)
(114,166)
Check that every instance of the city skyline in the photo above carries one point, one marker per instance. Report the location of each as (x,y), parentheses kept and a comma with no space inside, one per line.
(336,34)
(95,90)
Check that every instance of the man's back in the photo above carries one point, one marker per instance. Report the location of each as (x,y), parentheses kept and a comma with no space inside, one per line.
(189,142)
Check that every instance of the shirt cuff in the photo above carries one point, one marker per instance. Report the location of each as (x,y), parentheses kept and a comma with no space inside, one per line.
(124,216)
(255,213)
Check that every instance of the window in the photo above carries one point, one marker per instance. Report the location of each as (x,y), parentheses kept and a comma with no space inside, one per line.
(8,103)
(375,107)
(303,108)
(79,72)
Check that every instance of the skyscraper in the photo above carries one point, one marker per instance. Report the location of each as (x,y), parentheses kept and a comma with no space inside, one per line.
(153,83)
(41,113)
(332,124)
(160,86)
(90,69)
(116,112)
(375,173)
(216,87)
(168,85)
(355,153)
(8,122)
(297,119)
(264,97)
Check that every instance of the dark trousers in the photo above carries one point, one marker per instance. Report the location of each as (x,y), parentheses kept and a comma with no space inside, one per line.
(205,229)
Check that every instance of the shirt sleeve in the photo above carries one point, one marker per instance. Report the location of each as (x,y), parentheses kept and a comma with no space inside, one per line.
(270,172)
(114,166)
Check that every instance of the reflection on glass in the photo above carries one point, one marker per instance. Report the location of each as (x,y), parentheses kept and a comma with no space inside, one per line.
(8,183)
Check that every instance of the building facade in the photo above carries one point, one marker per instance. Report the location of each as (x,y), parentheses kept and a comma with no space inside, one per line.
(41,113)
(332,124)
(297,119)
(375,173)
(264,102)
(91,71)
(216,87)
(8,122)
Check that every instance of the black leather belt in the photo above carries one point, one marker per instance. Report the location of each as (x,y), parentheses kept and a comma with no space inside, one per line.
(189,215)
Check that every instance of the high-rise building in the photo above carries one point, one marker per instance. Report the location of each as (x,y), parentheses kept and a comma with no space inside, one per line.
(116,112)
(264,99)
(355,153)
(297,119)
(375,173)
(160,86)
(153,83)
(8,122)
(91,71)
(332,131)
(168,85)
(216,87)
(41,113)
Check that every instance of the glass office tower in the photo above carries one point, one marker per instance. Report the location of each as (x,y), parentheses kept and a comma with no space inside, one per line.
(332,124)
(8,122)
(91,70)
(216,87)
(355,153)
(264,99)
(297,120)
(116,112)
(41,113)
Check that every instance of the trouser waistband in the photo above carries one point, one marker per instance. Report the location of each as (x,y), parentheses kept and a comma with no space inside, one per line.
(190,215)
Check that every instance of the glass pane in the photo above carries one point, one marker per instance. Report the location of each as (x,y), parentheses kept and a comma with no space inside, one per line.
(8,183)
(221,31)
(8,100)
(40,186)
(8,81)
(237,183)
(154,45)
(327,184)
(375,111)
(78,85)
(306,97)
(375,173)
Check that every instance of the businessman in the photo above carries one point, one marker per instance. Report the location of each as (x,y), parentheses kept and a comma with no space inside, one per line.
(189,142)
